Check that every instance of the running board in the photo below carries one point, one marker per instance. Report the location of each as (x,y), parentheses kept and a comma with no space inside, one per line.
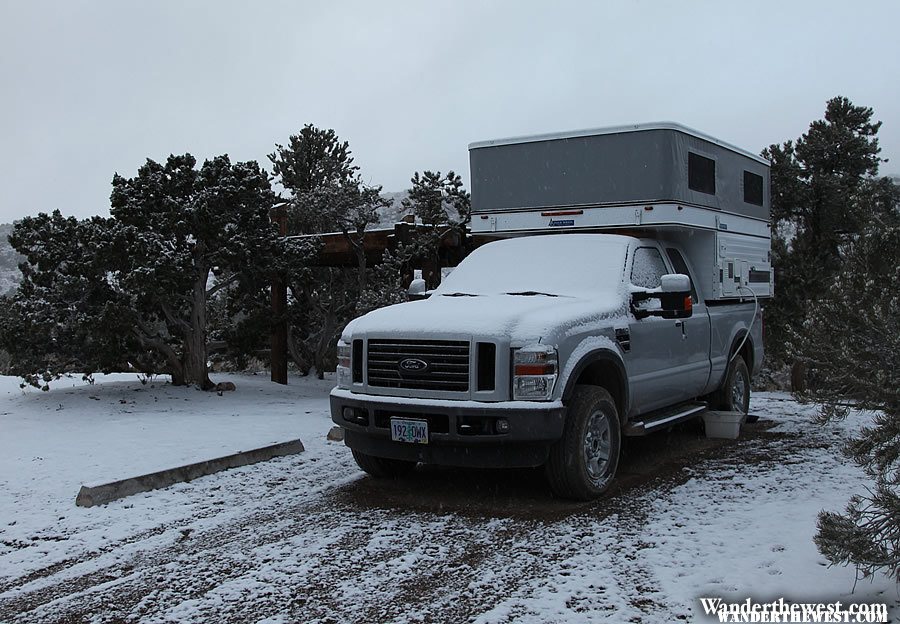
(661,420)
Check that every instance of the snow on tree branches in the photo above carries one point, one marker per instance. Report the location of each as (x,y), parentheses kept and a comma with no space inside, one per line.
(851,344)
(133,289)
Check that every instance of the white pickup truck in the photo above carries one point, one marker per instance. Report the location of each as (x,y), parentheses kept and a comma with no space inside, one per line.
(546,349)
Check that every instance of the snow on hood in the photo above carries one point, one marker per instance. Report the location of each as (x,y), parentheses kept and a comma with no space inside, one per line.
(515,316)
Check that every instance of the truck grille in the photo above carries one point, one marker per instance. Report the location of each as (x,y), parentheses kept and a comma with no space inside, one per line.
(419,364)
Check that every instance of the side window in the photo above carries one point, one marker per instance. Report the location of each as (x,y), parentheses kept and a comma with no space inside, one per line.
(647,267)
(701,174)
(753,188)
(681,267)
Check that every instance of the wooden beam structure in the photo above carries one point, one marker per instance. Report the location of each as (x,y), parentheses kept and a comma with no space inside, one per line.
(338,251)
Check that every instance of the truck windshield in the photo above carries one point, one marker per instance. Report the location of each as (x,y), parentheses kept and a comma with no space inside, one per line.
(566,265)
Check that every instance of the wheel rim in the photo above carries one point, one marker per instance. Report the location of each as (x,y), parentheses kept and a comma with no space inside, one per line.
(738,394)
(597,446)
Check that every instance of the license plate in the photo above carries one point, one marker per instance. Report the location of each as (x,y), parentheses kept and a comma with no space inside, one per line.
(413,431)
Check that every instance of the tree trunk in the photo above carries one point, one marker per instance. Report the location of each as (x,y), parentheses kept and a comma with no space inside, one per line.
(357,244)
(359,247)
(326,342)
(361,270)
(798,376)
(174,365)
(176,372)
(294,349)
(195,365)
(320,364)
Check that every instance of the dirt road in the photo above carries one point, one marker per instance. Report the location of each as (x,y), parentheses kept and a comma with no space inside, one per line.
(318,542)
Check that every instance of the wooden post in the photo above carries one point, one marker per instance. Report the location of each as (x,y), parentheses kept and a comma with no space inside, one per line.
(279,307)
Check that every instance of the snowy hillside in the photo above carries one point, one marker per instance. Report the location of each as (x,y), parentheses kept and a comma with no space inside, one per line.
(393,213)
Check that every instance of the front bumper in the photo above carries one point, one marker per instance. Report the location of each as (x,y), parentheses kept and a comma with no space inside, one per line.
(462,433)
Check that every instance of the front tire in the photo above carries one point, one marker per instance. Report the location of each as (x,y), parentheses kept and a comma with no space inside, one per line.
(381,467)
(583,462)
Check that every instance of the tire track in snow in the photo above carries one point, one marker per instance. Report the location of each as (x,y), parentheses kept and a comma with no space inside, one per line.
(331,557)
(76,575)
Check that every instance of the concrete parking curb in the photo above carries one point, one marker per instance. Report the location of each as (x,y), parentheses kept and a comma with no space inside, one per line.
(98,494)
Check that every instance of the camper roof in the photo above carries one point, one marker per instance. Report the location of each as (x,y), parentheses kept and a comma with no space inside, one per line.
(656,125)
(636,164)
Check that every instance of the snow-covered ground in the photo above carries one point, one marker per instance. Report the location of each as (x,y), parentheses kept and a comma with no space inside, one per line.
(309,538)
(53,442)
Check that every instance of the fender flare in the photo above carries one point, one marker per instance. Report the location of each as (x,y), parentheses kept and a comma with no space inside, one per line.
(595,356)
(739,334)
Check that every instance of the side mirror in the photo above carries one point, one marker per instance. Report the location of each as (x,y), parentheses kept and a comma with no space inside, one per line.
(417,290)
(674,298)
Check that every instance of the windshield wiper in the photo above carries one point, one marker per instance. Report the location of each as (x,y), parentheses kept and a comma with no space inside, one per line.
(458,294)
(531,293)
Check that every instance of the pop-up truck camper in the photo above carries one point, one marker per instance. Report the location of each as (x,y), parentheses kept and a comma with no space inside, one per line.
(621,293)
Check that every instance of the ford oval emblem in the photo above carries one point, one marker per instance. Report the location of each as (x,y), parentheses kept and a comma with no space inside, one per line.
(413,365)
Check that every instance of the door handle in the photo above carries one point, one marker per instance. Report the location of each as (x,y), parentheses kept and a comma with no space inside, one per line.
(683,332)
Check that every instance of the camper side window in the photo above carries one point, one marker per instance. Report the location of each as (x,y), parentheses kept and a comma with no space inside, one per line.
(647,268)
(753,188)
(701,174)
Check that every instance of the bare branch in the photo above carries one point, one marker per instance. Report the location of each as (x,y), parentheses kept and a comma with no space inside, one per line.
(223,284)
(174,320)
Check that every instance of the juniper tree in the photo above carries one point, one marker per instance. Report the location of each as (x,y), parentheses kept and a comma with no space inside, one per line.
(134,288)
(385,285)
(314,158)
(851,342)
(65,315)
(444,207)
(816,186)
(350,209)
(326,195)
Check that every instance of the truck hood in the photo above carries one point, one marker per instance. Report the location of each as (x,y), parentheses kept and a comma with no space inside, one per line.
(517,317)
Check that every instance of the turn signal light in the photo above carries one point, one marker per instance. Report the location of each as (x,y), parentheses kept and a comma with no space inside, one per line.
(547,368)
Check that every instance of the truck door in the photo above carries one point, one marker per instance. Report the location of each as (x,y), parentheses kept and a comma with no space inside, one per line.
(696,333)
(667,358)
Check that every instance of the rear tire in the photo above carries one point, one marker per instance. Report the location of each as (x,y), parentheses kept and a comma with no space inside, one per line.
(583,462)
(734,395)
(381,467)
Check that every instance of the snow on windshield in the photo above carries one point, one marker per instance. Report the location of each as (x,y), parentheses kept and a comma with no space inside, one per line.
(578,265)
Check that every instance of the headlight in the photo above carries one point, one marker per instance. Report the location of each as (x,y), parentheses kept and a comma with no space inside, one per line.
(534,372)
(343,364)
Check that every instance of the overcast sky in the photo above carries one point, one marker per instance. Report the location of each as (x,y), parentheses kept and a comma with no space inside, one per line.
(93,88)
